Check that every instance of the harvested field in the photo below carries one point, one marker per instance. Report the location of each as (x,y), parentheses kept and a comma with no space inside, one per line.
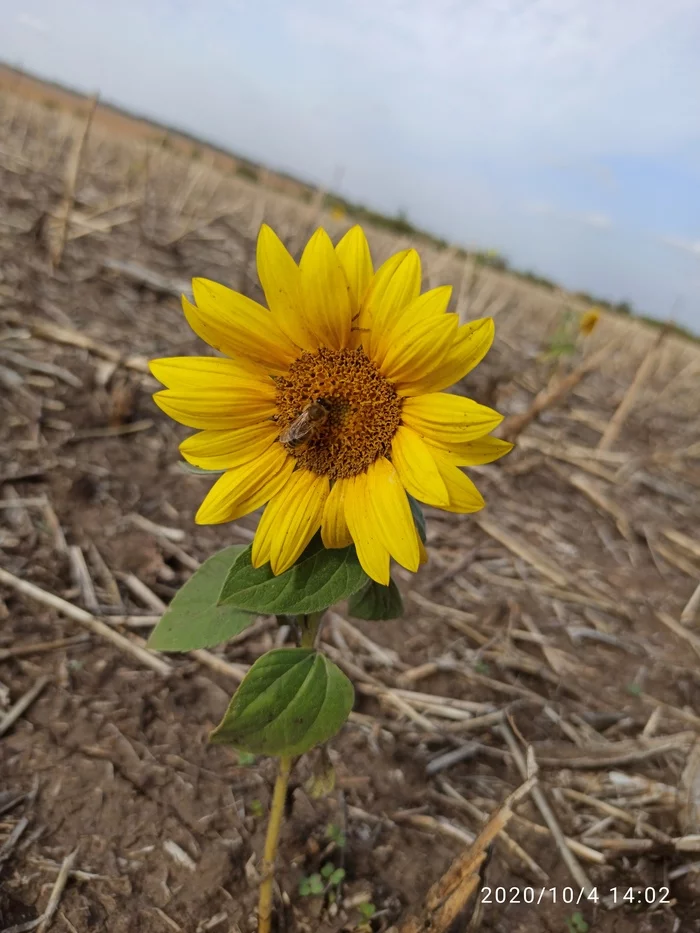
(559,629)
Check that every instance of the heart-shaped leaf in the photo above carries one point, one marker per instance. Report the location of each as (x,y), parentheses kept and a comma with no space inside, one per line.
(319,579)
(376,602)
(290,700)
(194,619)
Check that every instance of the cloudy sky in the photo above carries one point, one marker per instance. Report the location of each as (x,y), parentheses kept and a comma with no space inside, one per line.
(564,133)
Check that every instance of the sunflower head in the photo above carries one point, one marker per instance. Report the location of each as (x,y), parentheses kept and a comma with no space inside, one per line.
(327,406)
(588,321)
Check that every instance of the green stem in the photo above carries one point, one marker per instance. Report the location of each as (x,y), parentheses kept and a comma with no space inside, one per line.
(309,625)
(274,826)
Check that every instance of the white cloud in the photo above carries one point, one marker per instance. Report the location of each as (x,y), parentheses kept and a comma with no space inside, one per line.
(32,22)
(539,207)
(538,127)
(687,246)
(596,219)
(588,76)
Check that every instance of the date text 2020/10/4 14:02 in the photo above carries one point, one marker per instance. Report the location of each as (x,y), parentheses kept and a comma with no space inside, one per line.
(568,895)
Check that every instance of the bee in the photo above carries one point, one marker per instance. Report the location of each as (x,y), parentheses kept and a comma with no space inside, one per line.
(307,425)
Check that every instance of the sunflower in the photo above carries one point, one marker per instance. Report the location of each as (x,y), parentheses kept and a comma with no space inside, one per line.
(369,356)
(588,321)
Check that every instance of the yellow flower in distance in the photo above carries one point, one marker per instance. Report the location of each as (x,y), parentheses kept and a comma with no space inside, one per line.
(329,406)
(588,321)
(337,213)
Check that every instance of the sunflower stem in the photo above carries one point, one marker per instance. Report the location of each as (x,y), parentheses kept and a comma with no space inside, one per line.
(279,797)
(309,625)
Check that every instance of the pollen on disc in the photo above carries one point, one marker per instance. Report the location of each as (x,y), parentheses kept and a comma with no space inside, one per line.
(364,410)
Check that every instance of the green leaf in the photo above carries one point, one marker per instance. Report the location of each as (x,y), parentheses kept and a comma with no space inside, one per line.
(304,887)
(576,923)
(418,516)
(194,619)
(367,909)
(318,579)
(337,876)
(327,870)
(375,602)
(256,808)
(290,700)
(336,835)
(316,884)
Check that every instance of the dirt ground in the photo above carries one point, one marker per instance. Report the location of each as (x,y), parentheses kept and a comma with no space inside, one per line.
(552,620)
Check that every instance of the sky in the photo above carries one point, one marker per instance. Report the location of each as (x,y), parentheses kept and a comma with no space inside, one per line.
(563,133)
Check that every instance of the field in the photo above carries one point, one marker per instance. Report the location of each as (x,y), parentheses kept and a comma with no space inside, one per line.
(555,631)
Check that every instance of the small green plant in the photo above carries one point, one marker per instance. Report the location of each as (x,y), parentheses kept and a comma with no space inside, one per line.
(576,924)
(367,910)
(322,882)
(246,759)
(634,690)
(336,835)
(256,808)
(311,885)
(562,343)
(332,874)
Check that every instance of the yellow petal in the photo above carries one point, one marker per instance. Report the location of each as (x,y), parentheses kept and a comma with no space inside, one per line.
(464,496)
(354,255)
(214,409)
(290,521)
(429,304)
(471,345)
(213,332)
(325,292)
(419,313)
(207,372)
(393,513)
(243,328)
(474,453)
(246,487)
(419,351)
(221,450)
(371,551)
(395,285)
(281,281)
(417,469)
(334,529)
(444,420)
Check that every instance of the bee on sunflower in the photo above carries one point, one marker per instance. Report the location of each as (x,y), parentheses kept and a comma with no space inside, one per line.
(328,407)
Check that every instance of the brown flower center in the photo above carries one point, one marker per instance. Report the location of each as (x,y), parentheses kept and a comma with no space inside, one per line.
(356,420)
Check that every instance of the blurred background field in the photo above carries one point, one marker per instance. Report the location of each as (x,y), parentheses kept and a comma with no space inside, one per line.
(564,616)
